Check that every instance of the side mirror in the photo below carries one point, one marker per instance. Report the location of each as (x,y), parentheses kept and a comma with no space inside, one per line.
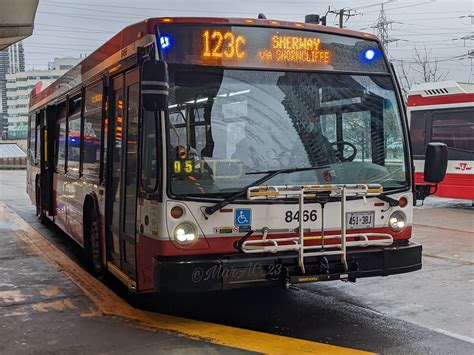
(154,85)
(436,162)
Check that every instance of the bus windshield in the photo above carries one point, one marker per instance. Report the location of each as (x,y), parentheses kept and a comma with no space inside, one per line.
(226,123)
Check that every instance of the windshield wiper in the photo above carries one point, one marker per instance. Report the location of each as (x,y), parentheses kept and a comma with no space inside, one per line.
(268,175)
(391,201)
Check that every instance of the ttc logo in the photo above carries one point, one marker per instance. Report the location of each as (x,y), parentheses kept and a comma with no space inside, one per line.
(463,166)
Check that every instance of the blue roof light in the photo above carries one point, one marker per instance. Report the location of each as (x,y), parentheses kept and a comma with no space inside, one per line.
(370,54)
(165,42)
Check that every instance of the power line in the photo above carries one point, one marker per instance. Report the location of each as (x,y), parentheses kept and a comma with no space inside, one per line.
(382,26)
(341,13)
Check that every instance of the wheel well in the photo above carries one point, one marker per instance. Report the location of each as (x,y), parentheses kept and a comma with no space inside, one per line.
(90,213)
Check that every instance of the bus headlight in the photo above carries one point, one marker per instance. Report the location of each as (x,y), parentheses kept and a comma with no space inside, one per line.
(185,233)
(397,221)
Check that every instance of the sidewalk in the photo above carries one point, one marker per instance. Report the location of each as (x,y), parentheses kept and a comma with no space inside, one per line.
(49,304)
(43,311)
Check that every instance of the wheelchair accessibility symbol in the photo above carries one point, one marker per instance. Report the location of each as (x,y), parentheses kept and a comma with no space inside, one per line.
(243,217)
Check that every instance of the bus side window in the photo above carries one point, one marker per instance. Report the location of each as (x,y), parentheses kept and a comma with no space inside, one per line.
(149,158)
(61,130)
(455,129)
(62,145)
(74,134)
(32,139)
(92,129)
(357,130)
(418,133)
(38,143)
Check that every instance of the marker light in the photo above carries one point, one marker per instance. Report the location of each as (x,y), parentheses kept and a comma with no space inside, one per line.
(397,221)
(370,54)
(176,212)
(165,42)
(185,233)
(402,202)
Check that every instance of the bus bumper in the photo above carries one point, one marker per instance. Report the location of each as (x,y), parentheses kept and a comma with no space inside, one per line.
(212,273)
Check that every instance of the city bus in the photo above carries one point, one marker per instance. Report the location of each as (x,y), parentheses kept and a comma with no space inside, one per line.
(444,112)
(201,154)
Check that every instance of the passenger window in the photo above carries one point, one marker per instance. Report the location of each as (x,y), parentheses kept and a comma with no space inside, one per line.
(178,136)
(74,135)
(62,145)
(456,129)
(38,142)
(92,129)
(32,141)
(328,127)
(149,161)
(60,156)
(357,130)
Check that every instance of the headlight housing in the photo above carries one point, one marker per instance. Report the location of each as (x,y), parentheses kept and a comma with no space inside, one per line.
(185,233)
(397,221)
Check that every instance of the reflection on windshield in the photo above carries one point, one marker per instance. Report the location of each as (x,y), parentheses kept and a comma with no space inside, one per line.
(226,123)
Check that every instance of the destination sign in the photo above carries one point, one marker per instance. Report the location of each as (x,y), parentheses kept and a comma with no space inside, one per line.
(273,48)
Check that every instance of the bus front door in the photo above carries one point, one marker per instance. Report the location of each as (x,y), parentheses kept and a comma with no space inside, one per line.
(122,186)
(45,119)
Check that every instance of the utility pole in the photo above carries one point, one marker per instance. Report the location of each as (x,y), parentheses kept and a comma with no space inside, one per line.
(382,26)
(341,13)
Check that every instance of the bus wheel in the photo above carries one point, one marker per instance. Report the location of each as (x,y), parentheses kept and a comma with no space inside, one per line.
(92,244)
(39,210)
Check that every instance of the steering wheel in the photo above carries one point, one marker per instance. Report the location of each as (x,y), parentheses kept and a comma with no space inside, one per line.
(341,156)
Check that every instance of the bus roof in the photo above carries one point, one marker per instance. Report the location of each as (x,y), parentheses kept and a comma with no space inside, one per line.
(124,44)
(441,93)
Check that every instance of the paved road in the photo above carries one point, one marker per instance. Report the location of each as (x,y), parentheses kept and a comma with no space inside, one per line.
(430,311)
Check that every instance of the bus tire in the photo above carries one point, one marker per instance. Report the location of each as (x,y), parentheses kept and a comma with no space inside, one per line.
(39,211)
(92,241)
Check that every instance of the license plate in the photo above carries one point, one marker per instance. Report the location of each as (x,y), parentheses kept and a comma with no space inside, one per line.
(356,220)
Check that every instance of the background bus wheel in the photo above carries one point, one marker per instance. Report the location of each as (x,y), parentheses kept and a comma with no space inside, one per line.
(39,211)
(92,245)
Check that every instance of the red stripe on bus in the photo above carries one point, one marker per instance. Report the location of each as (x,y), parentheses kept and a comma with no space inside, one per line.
(221,245)
(453,186)
(418,100)
(149,248)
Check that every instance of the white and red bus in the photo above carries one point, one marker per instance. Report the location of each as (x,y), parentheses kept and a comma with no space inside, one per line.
(444,112)
(192,154)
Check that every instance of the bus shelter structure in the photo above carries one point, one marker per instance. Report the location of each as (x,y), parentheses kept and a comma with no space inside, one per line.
(16,20)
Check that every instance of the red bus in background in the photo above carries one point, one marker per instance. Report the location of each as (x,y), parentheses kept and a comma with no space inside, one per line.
(444,112)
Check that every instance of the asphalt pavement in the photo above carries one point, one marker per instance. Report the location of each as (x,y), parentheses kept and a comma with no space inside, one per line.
(429,311)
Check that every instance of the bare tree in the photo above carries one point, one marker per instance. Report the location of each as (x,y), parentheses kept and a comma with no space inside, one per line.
(404,76)
(422,64)
(427,66)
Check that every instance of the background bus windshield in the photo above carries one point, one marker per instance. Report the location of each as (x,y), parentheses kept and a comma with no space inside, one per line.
(226,123)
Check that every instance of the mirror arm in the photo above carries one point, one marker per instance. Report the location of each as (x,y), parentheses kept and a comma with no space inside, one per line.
(422,191)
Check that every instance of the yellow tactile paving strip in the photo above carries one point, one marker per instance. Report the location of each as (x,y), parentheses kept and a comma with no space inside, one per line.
(108,303)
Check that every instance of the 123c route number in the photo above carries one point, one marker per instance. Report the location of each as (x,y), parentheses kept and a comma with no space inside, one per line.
(308,215)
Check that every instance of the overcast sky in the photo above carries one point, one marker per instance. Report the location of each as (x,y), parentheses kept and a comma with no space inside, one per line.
(72,27)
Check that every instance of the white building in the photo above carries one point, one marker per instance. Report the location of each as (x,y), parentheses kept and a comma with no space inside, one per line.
(65,63)
(19,86)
